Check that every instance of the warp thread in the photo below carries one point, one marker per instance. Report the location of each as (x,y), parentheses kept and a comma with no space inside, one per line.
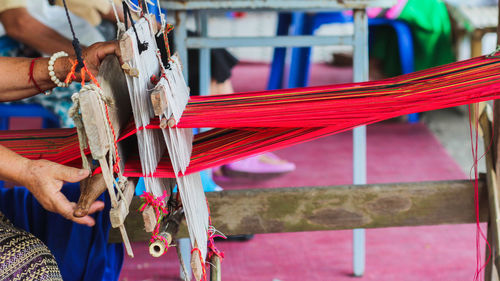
(141,46)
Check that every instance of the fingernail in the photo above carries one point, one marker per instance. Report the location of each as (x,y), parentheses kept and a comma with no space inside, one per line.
(82,172)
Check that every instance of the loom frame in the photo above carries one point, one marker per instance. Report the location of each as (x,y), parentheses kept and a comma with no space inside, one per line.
(451,202)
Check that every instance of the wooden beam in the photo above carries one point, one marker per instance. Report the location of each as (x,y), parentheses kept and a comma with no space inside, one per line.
(335,207)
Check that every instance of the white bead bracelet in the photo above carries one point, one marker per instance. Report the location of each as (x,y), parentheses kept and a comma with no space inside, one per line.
(52,74)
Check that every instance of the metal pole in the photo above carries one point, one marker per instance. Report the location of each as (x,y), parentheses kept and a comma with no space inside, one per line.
(204,56)
(360,70)
(180,33)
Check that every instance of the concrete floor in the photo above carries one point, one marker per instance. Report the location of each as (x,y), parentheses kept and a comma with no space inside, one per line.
(451,127)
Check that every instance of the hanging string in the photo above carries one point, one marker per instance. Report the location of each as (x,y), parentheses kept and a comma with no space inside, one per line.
(163,21)
(120,26)
(75,42)
(212,234)
(164,48)
(135,8)
(141,46)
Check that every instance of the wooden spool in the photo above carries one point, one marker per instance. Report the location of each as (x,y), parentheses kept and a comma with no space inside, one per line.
(158,247)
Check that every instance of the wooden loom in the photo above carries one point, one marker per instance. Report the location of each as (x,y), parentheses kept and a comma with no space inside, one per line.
(102,111)
(366,206)
(449,202)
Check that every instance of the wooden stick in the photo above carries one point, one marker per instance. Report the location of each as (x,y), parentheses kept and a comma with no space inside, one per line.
(493,165)
(149,217)
(215,269)
(489,273)
(196,265)
(159,102)
(90,188)
(492,186)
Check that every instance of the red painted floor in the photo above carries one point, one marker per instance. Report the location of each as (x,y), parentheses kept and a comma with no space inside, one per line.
(397,152)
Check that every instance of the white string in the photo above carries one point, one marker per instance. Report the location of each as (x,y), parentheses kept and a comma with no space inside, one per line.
(150,142)
(162,17)
(120,25)
(133,7)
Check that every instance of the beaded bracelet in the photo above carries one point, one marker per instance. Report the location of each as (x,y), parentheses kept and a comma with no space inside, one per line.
(52,74)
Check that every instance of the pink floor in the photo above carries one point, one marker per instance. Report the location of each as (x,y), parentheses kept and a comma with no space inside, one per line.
(397,152)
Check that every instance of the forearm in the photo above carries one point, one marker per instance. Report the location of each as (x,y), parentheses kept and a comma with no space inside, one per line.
(14,76)
(12,165)
(52,41)
(20,25)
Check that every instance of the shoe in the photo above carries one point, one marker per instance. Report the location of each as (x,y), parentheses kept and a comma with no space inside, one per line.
(267,163)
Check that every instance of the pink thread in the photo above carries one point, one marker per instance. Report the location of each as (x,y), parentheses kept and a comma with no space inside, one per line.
(212,249)
(159,206)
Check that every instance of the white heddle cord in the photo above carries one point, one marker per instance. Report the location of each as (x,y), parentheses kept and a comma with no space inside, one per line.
(120,25)
(162,16)
(133,7)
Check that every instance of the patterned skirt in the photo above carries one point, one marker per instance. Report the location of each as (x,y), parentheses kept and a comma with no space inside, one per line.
(23,256)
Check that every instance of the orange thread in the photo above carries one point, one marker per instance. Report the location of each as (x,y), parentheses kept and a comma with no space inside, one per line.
(71,75)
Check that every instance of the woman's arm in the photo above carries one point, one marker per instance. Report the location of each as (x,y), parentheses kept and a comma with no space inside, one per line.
(14,72)
(44,179)
(23,27)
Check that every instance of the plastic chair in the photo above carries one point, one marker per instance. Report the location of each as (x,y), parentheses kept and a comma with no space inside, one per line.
(306,24)
(49,120)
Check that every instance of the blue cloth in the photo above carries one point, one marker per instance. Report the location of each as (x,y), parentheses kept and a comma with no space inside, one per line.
(81,252)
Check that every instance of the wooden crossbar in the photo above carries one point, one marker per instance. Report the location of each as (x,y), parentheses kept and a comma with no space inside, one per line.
(333,207)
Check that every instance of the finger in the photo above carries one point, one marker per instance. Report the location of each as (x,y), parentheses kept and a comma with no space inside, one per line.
(70,174)
(118,51)
(108,48)
(65,208)
(97,206)
(86,220)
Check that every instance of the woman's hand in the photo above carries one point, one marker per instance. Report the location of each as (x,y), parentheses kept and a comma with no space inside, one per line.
(45,179)
(95,54)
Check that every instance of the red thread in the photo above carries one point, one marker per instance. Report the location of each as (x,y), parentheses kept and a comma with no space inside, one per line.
(31,77)
(98,170)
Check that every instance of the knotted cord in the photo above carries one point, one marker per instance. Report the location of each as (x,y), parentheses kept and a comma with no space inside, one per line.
(75,42)
(159,206)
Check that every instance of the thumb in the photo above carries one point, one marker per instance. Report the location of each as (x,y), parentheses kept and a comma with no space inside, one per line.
(70,174)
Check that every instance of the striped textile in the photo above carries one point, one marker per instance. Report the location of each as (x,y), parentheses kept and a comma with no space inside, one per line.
(23,257)
(247,124)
